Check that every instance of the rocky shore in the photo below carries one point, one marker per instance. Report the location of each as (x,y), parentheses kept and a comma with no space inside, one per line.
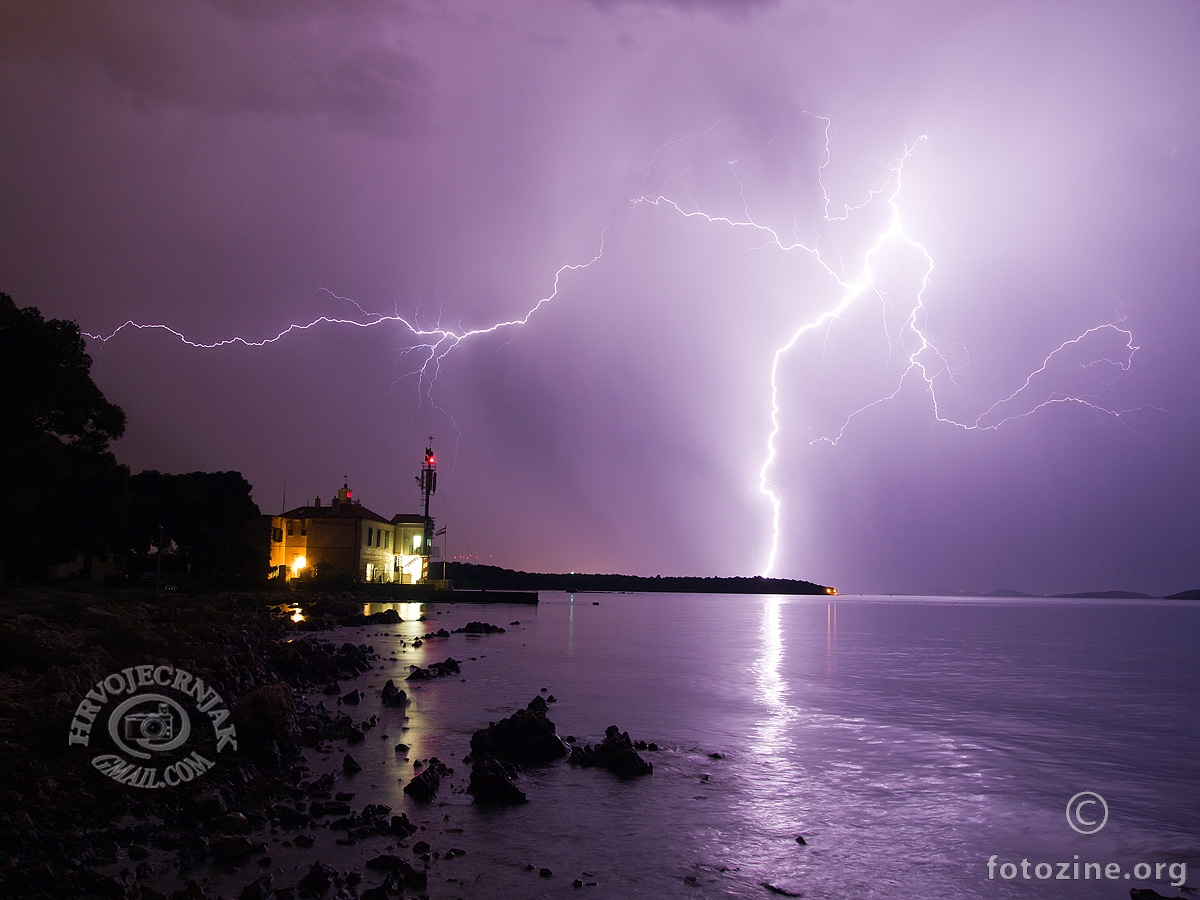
(70,831)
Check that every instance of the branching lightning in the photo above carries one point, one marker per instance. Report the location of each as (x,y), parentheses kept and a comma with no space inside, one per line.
(911,345)
(918,352)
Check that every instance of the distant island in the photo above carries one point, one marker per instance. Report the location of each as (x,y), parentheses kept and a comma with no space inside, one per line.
(1186,595)
(469,576)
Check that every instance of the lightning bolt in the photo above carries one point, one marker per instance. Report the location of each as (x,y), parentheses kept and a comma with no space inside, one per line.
(911,345)
(918,353)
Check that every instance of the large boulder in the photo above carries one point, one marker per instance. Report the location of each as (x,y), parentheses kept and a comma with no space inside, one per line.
(393,696)
(423,788)
(527,738)
(266,723)
(615,753)
(491,783)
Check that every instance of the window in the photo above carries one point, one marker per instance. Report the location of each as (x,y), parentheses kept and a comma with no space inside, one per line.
(304,526)
(370,537)
(290,524)
(387,540)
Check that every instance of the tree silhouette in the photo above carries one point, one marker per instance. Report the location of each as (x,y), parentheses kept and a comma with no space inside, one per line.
(61,489)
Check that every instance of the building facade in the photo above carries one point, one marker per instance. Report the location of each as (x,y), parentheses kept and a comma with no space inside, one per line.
(347,539)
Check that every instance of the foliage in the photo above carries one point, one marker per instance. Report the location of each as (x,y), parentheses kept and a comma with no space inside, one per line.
(61,488)
(211,519)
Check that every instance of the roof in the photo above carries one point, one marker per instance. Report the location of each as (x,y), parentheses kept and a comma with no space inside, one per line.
(342,510)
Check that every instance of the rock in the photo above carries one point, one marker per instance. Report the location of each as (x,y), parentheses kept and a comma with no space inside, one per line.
(577,883)
(353,698)
(402,748)
(454,853)
(376,893)
(259,889)
(545,873)
(435,670)
(319,879)
(384,863)
(383,617)
(350,765)
(421,847)
(491,783)
(423,788)
(615,753)
(1149,894)
(304,841)
(527,738)
(233,849)
(800,840)
(400,825)
(393,696)
(782,892)
(266,723)
(480,628)
(234,823)
(209,805)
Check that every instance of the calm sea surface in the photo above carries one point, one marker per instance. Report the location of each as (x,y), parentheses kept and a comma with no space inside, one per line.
(907,739)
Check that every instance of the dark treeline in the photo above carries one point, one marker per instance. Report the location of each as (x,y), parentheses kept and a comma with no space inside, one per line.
(67,503)
(493,578)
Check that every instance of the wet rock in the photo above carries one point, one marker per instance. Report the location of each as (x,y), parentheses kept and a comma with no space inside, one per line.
(209,805)
(615,753)
(437,670)
(318,881)
(1149,894)
(384,863)
(527,738)
(421,847)
(423,788)
(394,697)
(491,783)
(234,823)
(781,892)
(233,849)
(267,725)
(545,873)
(383,617)
(480,628)
(454,853)
(800,840)
(259,889)
(353,698)
(114,887)
(304,841)
(577,883)
(350,765)
(400,825)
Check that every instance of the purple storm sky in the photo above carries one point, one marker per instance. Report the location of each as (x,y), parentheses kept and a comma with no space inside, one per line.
(230,168)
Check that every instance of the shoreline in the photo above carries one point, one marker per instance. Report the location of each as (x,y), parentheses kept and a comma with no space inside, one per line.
(304,707)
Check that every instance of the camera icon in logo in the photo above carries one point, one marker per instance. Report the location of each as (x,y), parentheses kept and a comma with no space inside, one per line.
(145,727)
(149,723)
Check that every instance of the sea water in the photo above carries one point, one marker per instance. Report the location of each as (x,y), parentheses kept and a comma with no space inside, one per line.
(907,740)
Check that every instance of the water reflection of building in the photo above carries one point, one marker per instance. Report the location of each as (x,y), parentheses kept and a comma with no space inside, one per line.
(348,540)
